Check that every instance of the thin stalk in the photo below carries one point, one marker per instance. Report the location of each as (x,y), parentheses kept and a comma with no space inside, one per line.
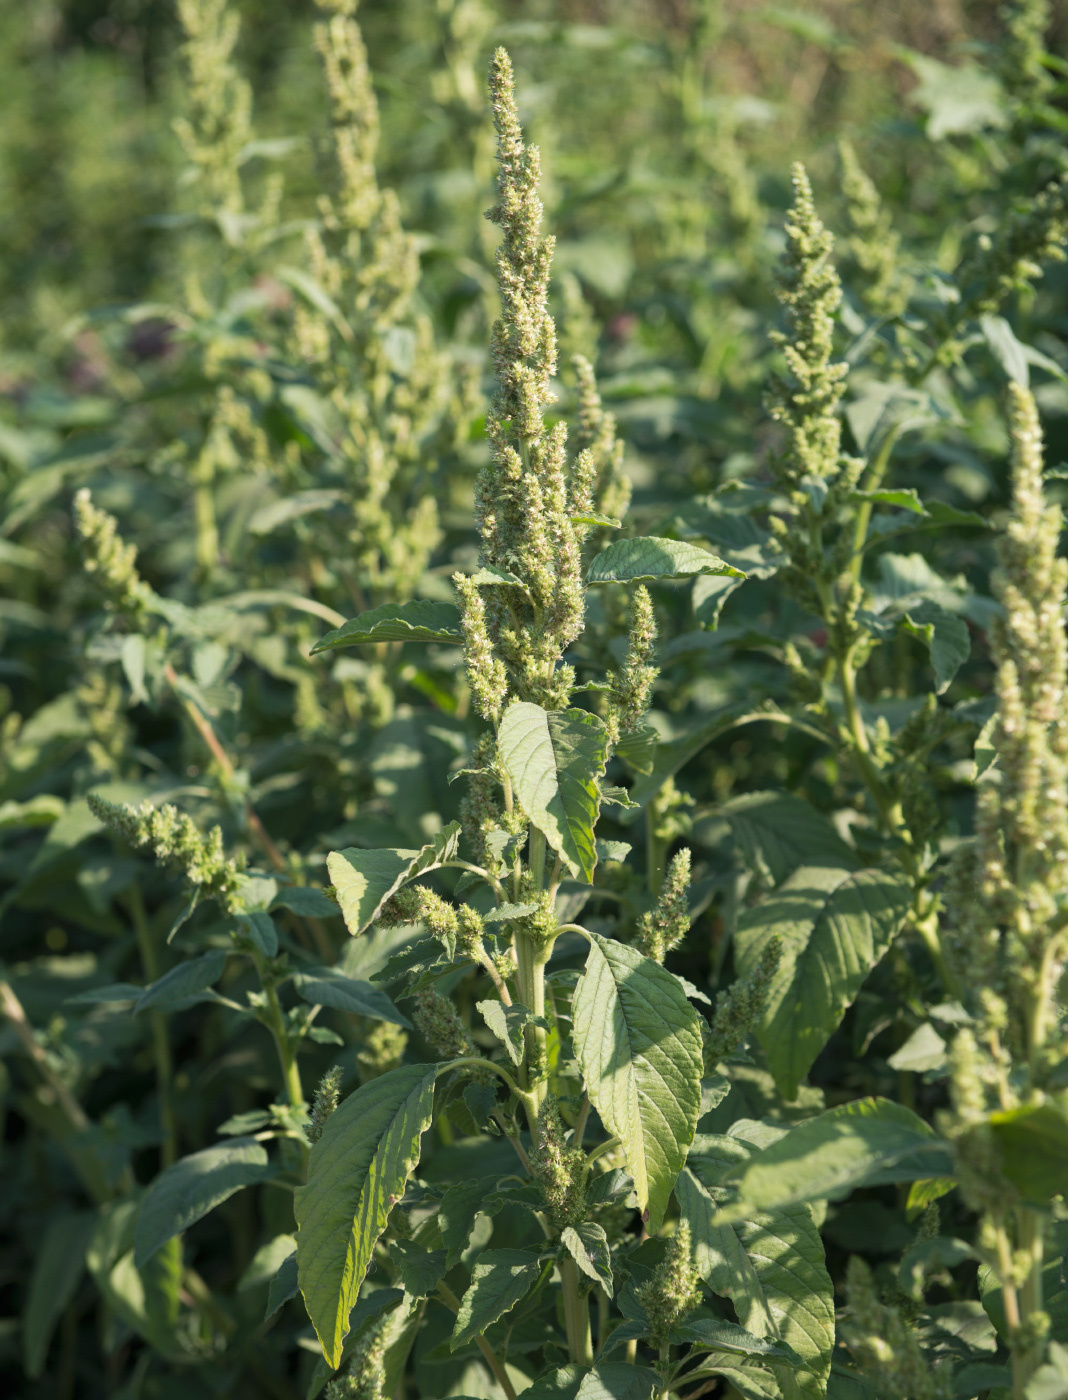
(276,1023)
(449,1298)
(872,480)
(655,849)
(576,1315)
(161,1046)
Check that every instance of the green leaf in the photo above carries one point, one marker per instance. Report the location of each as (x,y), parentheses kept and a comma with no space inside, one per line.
(712,1334)
(58,1265)
(364,880)
(418,621)
(309,903)
(259,926)
(924,1050)
(1006,349)
(647,559)
(588,1246)
(611,1380)
(958,98)
(185,1192)
(356,1174)
(638,1043)
(184,984)
(903,500)
(870,1142)
(1033,1147)
(508,1024)
(502,1277)
(421,1270)
(490,574)
(750,1382)
(554,760)
(1050,1381)
(772,1268)
(328,986)
(593,517)
(834,926)
(460,1204)
(709,594)
(279,512)
(946,637)
(778,832)
(284,1285)
(266,1262)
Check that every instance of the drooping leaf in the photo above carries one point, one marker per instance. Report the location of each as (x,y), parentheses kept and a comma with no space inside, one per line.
(869,1142)
(184,984)
(328,986)
(460,1204)
(421,1270)
(418,621)
(834,926)
(259,926)
(501,1278)
(266,1262)
(711,1334)
(648,558)
(1033,1148)
(356,1173)
(58,1266)
(588,1246)
(777,832)
(284,1285)
(508,1024)
(185,1192)
(306,901)
(944,634)
(638,1043)
(770,1265)
(364,880)
(554,760)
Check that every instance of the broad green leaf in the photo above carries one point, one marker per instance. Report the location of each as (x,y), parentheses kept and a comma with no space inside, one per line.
(772,1268)
(58,1265)
(1006,349)
(925,1049)
(870,1142)
(188,1190)
(421,1270)
(638,1043)
(356,1174)
(508,1024)
(490,574)
(710,592)
(460,1204)
(647,559)
(418,621)
(926,1190)
(284,1285)
(944,634)
(588,1246)
(1050,1381)
(834,926)
(750,1382)
(266,1262)
(501,1278)
(712,1334)
(328,986)
(610,1380)
(364,880)
(903,499)
(554,760)
(777,832)
(279,512)
(184,984)
(1033,1148)
(259,926)
(309,903)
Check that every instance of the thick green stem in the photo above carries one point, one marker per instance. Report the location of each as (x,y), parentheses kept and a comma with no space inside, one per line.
(1030,1235)
(655,848)
(161,1046)
(576,1315)
(530,976)
(276,1023)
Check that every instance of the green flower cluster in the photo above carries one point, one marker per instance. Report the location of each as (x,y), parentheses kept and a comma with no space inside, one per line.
(675,1288)
(111,562)
(667,924)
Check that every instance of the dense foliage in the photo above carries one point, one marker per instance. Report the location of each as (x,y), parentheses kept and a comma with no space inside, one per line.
(534,774)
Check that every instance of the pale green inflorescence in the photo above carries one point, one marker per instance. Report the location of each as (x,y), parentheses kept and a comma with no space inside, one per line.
(631,688)
(365,1378)
(517,632)
(1023,67)
(740,1007)
(667,924)
(1011,259)
(872,240)
(810,292)
(558,1169)
(376,362)
(1019,869)
(675,1288)
(884,1343)
(107,559)
(217,121)
(327,1097)
(176,841)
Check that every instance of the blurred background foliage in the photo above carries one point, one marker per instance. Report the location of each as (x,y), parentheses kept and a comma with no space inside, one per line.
(270,370)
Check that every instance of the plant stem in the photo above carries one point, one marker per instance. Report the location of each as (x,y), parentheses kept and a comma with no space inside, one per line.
(576,1315)
(655,848)
(161,1046)
(277,1025)
(449,1298)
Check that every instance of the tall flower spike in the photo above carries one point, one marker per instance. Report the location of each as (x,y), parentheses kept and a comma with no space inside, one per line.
(1021,860)
(522,498)
(632,687)
(112,562)
(873,242)
(810,292)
